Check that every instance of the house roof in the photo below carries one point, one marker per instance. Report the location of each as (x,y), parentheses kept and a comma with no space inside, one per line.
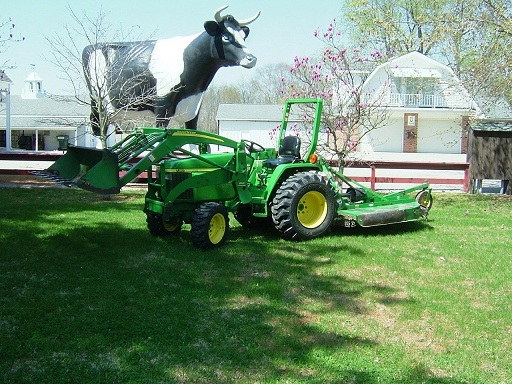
(46,111)
(418,65)
(415,72)
(48,106)
(33,76)
(4,78)
(415,64)
(493,125)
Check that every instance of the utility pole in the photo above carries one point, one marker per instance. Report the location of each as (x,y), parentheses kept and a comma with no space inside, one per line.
(5,93)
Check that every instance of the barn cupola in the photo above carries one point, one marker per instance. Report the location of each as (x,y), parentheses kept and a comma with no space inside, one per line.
(33,88)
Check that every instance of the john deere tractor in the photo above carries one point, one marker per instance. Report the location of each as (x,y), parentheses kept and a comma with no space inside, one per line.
(198,178)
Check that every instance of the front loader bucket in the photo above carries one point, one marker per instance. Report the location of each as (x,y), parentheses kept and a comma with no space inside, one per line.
(92,169)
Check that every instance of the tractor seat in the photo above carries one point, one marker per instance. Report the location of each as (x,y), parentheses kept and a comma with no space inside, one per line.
(289,152)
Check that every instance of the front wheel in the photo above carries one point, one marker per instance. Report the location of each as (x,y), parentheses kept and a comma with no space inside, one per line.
(159,227)
(210,225)
(304,206)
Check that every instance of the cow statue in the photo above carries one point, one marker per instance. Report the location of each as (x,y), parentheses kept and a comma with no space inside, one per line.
(168,76)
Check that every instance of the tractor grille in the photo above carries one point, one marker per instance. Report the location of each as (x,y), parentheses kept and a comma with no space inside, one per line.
(175,178)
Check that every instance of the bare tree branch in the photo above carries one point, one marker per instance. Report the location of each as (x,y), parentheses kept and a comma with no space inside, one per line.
(88,80)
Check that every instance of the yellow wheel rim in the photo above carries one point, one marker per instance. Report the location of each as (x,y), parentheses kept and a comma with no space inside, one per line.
(424,199)
(312,209)
(217,228)
(170,226)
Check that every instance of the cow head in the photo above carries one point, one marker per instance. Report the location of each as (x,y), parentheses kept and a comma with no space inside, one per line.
(229,37)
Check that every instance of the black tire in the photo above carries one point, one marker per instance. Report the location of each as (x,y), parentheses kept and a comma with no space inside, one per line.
(158,227)
(244,216)
(304,206)
(210,225)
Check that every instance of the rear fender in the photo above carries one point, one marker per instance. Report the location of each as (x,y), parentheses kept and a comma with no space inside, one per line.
(282,172)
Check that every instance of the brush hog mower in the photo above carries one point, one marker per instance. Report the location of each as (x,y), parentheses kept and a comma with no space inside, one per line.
(301,194)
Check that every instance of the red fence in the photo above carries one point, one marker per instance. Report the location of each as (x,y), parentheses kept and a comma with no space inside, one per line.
(375,166)
(21,163)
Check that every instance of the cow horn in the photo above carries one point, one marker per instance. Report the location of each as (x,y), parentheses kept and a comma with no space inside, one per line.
(249,21)
(218,17)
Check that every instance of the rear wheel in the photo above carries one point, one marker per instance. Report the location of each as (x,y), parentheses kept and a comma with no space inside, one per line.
(304,206)
(210,225)
(158,227)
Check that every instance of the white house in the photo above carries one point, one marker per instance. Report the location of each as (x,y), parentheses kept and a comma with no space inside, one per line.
(428,107)
(37,121)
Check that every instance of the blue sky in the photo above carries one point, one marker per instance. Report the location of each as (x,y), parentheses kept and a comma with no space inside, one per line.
(284,29)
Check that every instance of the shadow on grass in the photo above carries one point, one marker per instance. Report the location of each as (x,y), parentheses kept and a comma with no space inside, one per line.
(99,299)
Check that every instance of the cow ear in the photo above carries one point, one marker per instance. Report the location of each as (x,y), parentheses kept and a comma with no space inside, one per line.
(246,31)
(212,28)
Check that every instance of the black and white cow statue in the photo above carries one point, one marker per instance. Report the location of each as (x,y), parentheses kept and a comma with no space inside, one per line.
(168,76)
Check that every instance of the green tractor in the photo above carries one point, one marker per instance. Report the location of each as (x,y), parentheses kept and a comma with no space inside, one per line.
(300,195)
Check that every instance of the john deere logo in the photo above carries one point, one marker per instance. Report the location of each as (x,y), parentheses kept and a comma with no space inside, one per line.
(197,134)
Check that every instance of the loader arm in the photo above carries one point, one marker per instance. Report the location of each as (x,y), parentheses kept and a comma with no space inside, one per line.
(106,171)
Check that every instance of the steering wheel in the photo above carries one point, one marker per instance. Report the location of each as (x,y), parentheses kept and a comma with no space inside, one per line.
(253,147)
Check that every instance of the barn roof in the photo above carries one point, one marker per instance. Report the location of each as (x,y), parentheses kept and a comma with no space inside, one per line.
(493,125)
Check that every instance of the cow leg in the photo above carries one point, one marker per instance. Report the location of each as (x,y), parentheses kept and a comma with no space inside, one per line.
(162,122)
(192,124)
(95,119)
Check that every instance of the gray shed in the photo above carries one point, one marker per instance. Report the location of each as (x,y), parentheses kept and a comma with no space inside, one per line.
(490,153)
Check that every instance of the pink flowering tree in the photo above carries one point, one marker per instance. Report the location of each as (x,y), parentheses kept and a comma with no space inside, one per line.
(350,110)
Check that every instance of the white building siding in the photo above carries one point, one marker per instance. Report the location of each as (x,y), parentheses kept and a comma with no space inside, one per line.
(385,139)
(439,136)
(256,131)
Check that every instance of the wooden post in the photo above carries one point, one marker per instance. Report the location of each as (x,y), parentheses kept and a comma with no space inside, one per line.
(466,179)
(372,179)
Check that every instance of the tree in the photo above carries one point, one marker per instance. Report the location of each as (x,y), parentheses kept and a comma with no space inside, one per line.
(489,67)
(337,76)
(265,87)
(472,37)
(214,96)
(66,54)
(7,36)
(399,25)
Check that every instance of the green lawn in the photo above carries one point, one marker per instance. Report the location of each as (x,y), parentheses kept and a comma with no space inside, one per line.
(87,295)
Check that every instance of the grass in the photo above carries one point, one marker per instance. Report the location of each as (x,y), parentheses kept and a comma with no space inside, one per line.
(87,295)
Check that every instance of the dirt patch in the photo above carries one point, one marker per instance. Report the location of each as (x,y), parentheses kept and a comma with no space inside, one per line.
(30,181)
(27,181)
